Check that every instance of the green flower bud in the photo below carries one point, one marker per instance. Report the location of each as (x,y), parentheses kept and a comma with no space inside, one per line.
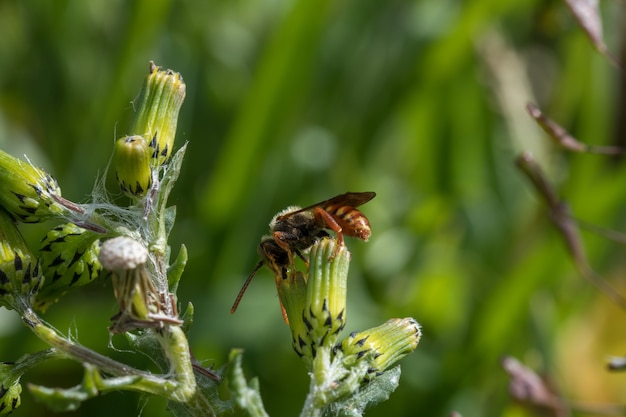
(20,275)
(69,259)
(28,193)
(325,314)
(292,295)
(10,389)
(382,346)
(132,158)
(316,306)
(157,108)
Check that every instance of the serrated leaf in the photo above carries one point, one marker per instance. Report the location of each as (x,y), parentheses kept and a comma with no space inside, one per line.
(245,395)
(208,398)
(187,317)
(372,393)
(57,399)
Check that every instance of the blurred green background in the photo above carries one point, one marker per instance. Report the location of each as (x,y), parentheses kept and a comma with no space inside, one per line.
(292,102)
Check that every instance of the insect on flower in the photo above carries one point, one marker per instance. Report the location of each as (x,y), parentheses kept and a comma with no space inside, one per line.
(294,230)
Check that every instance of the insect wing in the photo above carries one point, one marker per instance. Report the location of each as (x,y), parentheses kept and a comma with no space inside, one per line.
(348,199)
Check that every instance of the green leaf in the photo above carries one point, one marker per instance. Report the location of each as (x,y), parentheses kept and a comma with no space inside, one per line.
(57,399)
(372,393)
(175,270)
(245,395)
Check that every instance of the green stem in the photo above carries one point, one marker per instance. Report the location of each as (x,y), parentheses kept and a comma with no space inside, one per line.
(181,388)
(176,349)
(310,409)
(198,405)
(74,350)
(331,380)
(317,399)
(33,359)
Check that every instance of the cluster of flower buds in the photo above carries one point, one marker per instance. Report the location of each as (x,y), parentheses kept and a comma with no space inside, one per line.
(27,193)
(69,259)
(150,145)
(315,304)
(20,275)
(72,255)
(69,253)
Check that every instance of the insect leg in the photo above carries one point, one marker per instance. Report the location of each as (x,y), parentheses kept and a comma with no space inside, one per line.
(324,217)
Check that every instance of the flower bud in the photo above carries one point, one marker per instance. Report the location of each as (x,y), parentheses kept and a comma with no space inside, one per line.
(382,346)
(325,314)
(292,295)
(20,275)
(157,109)
(316,305)
(132,158)
(141,305)
(69,259)
(10,389)
(123,254)
(28,193)
(126,259)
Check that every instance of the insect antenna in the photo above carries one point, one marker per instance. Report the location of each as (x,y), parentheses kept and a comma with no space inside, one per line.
(245,287)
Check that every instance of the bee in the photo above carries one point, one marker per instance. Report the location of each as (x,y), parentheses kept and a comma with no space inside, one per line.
(294,230)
